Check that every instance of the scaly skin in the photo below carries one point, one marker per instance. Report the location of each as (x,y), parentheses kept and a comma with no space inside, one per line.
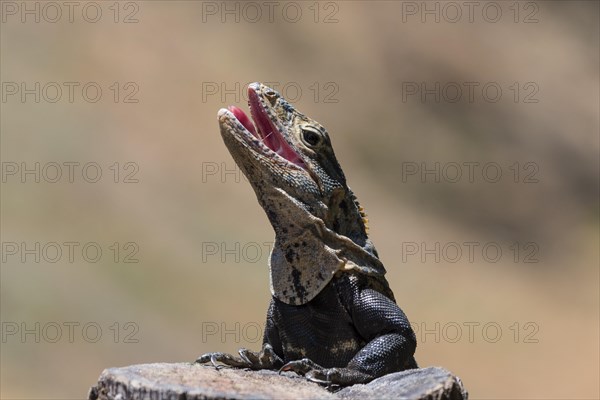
(332,317)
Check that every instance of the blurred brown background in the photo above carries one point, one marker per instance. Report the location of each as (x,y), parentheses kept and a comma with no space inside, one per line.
(520,324)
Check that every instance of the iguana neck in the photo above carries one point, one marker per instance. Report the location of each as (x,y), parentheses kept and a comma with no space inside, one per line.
(347,218)
(319,226)
(308,253)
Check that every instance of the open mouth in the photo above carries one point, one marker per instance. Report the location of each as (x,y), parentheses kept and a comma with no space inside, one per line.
(265,130)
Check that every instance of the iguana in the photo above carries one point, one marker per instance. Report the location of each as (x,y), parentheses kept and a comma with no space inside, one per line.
(333,317)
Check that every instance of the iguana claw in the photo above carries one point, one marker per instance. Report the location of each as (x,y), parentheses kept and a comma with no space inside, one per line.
(333,378)
(224,359)
(264,359)
(330,377)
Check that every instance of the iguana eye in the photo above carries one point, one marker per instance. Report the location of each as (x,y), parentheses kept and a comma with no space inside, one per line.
(311,136)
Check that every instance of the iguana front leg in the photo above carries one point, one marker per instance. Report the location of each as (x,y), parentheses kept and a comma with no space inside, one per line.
(390,348)
(368,364)
(264,359)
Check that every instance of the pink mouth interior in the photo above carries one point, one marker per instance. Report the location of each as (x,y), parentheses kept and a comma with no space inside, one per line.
(243,118)
(265,130)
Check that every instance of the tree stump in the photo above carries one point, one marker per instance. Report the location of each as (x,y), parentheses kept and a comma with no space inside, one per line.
(187,381)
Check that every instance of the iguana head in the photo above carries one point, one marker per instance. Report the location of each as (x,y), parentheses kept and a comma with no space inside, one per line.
(319,226)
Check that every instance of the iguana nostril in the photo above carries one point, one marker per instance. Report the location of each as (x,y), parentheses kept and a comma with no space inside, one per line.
(271,96)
